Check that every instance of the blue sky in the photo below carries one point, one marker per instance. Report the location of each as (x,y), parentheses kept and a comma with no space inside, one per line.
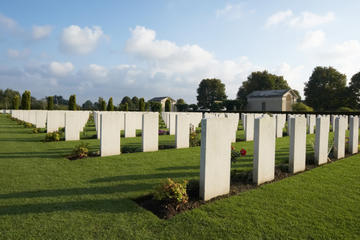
(164,48)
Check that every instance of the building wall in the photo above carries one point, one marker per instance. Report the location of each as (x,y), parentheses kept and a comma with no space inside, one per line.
(271,104)
(171,102)
(283,103)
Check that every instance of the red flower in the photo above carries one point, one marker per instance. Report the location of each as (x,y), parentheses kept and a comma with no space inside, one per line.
(243,152)
(232,148)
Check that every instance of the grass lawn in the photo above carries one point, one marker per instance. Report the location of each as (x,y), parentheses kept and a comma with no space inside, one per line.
(45,196)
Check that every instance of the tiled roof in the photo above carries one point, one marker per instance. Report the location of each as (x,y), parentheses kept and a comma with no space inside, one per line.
(268,93)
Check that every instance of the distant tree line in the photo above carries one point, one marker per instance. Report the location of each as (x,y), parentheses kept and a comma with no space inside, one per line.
(326,90)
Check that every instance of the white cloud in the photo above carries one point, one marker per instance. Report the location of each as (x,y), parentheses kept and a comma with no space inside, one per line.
(278,17)
(40,32)
(183,67)
(8,23)
(306,19)
(15,54)
(295,76)
(61,69)
(76,40)
(313,39)
(230,11)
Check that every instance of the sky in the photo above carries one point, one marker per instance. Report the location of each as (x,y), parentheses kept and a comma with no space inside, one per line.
(165,48)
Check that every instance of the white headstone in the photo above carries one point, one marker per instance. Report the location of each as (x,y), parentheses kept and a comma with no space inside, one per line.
(339,138)
(109,134)
(215,160)
(172,124)
(41,119)
(321,140)
(311,119)
(150,132)
(297,160)
(354,135)
(264,150)
(130,125)
(249,127)
(182,131)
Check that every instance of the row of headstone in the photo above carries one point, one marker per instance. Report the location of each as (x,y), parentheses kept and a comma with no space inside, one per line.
(110,127)
(216,148)
(169,119)
(72,121)
(5,111)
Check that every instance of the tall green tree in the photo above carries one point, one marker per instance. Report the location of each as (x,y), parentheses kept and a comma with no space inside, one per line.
(126,107)
(26,100)
(142,104)
(135,103)
(326,89)
(72,102)
(167,105)
(354,91)
(103,105)
(50,103)
(88,105)
(16,102)
(258,81)
(110,106)
(209,92)
(181,105)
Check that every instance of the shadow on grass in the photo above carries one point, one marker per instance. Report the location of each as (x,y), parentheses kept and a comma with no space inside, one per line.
(78,191)
(145,176)
(52,154)
(104,205)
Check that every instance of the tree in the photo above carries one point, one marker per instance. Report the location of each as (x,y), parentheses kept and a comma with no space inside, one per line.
(50,103)
(26,100)
(326,89)
(147,105)
(72,102)
(142,104)
(7,97)
(194,107)
(232,105)
(126,107)
(167,105)
(258,81)
(110,106)
(209,92)
(354,91)
(181,105)
(16,102)
(103,105)
(88,105)
(135,103)
(155,106)
(301,107)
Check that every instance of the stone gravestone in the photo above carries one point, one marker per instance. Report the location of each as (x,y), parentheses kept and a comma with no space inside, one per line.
(280,122)
(354,135)
(41,119)
(215,160)
(182,131)
(264,150)
(321,140)
(150,132)
(172,124)
(311,119)
(297,160)
(339,138)
(109,134)
(249,127)
(130,125)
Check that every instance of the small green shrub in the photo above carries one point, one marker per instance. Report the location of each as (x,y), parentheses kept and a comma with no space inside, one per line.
(301,107)
(80,151)
(28,125)
(52,137)
(344,109)
(36,130)
(172,192)
(194,139)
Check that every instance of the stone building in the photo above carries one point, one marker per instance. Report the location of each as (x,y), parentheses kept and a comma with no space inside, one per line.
(162,100)
(271,100)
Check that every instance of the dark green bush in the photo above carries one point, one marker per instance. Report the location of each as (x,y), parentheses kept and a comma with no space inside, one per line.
(28,125)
